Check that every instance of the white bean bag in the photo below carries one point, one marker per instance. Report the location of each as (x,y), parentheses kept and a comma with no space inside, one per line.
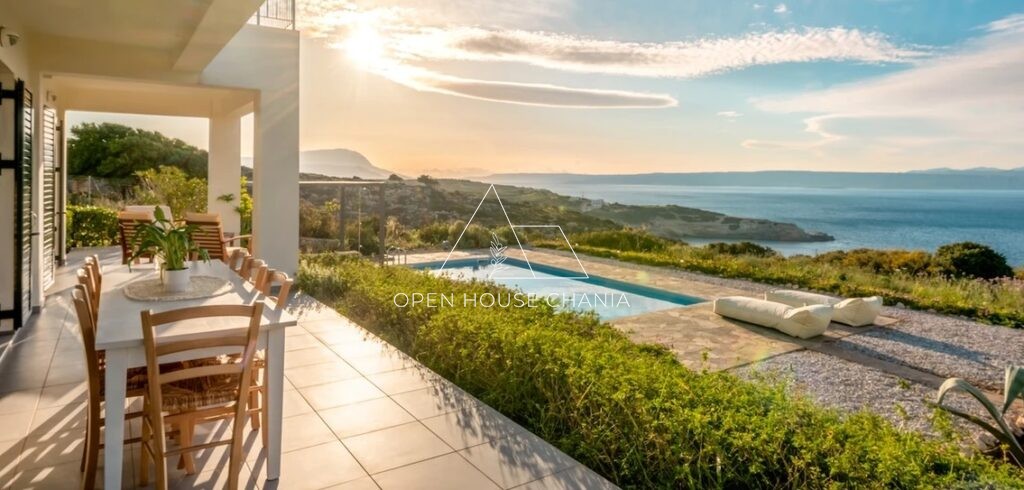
(855,312)
(804,322)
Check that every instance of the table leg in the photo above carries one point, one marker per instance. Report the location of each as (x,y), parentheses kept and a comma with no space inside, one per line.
(113,437)
(275,395)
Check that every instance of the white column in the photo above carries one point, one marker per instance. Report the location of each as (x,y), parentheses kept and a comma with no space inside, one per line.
(276,178)
(225,168)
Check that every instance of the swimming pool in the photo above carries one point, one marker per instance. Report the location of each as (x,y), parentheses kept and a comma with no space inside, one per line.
(608,298)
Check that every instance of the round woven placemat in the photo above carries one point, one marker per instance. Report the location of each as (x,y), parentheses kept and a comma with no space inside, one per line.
(199,287)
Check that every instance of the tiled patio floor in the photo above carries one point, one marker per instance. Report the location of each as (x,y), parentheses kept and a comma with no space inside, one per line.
(359,414)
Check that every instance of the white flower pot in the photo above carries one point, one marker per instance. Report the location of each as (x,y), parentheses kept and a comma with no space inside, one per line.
(176,281)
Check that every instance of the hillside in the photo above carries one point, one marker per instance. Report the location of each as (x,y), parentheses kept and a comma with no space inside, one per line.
(447,200)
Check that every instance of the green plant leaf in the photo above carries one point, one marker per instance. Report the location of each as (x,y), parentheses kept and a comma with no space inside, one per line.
(1003,432)
(1013,387)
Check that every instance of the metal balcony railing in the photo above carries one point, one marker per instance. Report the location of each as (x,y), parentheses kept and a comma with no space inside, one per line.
(275,13)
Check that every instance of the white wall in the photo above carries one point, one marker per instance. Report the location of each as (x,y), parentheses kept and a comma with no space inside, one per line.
(267,60)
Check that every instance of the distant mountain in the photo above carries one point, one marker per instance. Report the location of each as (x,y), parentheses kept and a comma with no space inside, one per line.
(337,162)
(977,179)
(975,170)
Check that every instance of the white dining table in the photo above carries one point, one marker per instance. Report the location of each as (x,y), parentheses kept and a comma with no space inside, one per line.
(119,333)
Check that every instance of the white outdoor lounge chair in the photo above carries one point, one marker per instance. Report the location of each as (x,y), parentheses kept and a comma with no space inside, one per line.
(855,312)
(804,322)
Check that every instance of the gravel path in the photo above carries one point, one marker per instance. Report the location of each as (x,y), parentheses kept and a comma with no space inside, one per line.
(851,387)
(943,345)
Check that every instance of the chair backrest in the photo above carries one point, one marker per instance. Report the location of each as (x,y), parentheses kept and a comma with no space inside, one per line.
(149,211)
(92,263)
(237,261)
(208,234)
(231,342)
(87,280)
(283,283)
(87,326)
(128,224)
(254,272)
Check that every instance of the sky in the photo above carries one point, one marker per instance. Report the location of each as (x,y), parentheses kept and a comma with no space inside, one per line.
(474,87)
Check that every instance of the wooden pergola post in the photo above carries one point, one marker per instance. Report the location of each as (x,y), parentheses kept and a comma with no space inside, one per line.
(342,226)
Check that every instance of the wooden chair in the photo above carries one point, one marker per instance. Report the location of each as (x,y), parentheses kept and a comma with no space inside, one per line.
(95,367)
(128,224)
(87,280)
(196,393)
(239,260)
(276,279)
(209,235)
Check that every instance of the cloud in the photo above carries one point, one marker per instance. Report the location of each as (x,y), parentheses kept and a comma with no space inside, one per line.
(780,9)
(971,95)
(728,114)
(535,94)
(680,59)
(757,6)
(399,39)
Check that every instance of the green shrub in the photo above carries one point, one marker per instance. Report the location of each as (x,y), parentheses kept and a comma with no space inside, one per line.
(741,248)
(91,226)
(172,187)
(433,233)
(627,240)
(969,259)
(883,261)
(631,412)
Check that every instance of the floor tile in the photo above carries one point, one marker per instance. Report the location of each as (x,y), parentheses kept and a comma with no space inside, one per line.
(19,401)
(22,379)
(364,483)
(441,473)
(303,431)
(368,416)
(517,460)
(472,426)
(396,446)
(402,380)
(577,478)
(10,454)
(53,450)
(318,374)
(294,404)
(15,425)
(430,402)
(300,341)
(311,468)
(56,395)
(374,364)
(340,393)
(363,347)
(305,357)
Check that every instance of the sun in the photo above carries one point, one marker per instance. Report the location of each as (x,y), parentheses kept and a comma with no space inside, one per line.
(365,47)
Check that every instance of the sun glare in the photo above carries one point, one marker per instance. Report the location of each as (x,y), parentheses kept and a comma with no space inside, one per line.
(365,47)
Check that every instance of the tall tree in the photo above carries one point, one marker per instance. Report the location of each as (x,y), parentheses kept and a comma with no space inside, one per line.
(118,151)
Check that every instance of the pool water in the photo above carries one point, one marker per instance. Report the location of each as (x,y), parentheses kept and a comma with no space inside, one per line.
(608,298)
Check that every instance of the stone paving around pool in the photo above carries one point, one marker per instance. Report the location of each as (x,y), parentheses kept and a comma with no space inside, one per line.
(698,337)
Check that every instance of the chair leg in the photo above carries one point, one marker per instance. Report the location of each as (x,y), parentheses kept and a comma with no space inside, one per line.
(187,430)
(254,417)
(144,456)
(265,415)
(90,458)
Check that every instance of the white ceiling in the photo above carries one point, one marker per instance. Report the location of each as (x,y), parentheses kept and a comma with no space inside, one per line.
(161,24)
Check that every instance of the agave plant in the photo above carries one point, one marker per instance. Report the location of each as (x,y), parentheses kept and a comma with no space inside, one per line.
(1014,388)
(172,243)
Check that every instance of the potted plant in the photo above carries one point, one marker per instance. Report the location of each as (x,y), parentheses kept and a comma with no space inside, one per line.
(172,245)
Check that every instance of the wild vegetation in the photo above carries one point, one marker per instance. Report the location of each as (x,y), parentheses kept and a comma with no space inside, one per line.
(631,412)
(955,280)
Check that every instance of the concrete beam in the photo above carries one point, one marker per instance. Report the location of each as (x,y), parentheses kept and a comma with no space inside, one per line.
(222,20)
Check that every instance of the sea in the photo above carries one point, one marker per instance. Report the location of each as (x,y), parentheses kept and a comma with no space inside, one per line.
(857,218)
